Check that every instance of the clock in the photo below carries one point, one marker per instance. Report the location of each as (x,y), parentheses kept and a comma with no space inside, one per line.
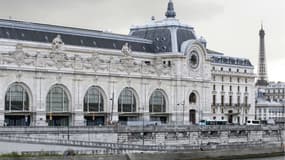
(194,59)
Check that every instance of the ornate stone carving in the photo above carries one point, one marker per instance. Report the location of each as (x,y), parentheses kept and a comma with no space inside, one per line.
(126,50)
(59,60)
(95,63)
(19,76)
(58,78)
(19,57)
(128,64)
(57,44)
(78,62)
(160,68)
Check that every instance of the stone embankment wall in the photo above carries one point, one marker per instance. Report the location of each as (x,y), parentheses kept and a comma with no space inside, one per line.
(175,141)
(159,135)
(168,138)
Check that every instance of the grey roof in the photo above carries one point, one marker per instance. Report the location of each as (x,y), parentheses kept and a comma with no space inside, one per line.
(19,30)
(217,57)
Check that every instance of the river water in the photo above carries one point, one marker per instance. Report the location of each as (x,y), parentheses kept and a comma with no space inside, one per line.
(267,158)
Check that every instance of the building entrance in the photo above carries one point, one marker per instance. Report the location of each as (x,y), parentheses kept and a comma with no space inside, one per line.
(57,120)
(17,120)
(192,116)
(230,117)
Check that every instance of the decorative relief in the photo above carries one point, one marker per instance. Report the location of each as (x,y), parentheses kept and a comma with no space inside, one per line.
(95,63)
(19,76)
(128,64)
(58,78)
(78,62)
(60,59)
(160,67)
(18,57)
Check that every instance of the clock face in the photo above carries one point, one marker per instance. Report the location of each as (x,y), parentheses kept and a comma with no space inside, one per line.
(194,59)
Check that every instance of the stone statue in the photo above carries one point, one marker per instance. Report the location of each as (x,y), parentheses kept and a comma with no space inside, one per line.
(57,43)
(126,50)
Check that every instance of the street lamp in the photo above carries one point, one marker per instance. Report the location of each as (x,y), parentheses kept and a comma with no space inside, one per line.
(112,100)
(183,105)
(143,110)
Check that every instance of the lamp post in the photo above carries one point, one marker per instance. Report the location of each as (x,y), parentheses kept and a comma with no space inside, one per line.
(143,110)
(176,115)
(68,135)
(183,105)
(112,102)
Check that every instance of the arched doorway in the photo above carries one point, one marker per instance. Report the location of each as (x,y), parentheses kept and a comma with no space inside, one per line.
(17,106)
(192,116)
(93,107)
(230,116)
(57,106)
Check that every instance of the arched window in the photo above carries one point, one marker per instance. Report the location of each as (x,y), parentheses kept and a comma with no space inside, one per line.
(57,100)
(193,98)
(127,101)
(93,100)
(16,98)
(157,102)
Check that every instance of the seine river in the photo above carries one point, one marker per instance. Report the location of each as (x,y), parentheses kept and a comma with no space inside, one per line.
(267,158)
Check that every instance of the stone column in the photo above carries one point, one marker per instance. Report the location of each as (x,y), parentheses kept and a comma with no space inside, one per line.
(2,99)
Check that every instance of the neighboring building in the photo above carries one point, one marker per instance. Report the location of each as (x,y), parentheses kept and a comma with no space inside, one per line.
(53,75)
(270,102)
(233,89)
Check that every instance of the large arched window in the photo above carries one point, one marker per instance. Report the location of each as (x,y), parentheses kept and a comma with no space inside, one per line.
(157,102)
(17,98)
(127,101)
(93,100)
(57,99)
(193,98)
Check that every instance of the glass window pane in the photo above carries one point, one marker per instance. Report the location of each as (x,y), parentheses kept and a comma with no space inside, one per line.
(57,100)
(16,98)
(93,100)
(127,101)
(157,102)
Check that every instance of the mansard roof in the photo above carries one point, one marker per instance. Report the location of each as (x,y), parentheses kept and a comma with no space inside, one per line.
(219,58)
(26,31)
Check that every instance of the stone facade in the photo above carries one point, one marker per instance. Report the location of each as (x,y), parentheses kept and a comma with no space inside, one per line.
(37,68)
(161,72)
(233,91)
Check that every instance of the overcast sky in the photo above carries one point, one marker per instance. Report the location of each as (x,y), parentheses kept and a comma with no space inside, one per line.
(229,26)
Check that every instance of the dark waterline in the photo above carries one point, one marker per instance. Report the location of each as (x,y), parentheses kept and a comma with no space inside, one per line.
(266,158)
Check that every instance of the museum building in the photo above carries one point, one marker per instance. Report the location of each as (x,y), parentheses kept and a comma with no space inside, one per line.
(58,76)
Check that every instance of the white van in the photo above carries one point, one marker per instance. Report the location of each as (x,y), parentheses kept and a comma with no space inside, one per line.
(253,122)
(270,122)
